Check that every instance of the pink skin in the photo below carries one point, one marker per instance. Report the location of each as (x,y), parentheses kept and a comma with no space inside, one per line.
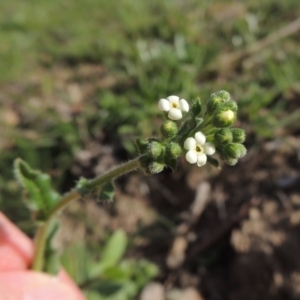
(19,283)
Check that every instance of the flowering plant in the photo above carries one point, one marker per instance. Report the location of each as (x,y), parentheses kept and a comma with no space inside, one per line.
(197,131)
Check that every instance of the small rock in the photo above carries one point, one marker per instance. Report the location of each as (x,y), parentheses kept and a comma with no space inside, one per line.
(186,294)
(153,291)
(177,254)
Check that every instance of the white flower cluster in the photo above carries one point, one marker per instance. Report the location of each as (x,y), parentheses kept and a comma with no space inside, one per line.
(174,106)
(198,149)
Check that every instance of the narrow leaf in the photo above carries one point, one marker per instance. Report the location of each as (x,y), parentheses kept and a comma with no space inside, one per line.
(114,249)
(112,252)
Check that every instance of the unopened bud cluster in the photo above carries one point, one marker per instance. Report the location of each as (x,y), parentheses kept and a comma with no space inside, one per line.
(156,154)
(198,131)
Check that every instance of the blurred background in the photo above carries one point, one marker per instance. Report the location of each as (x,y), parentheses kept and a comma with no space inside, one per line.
(80,80)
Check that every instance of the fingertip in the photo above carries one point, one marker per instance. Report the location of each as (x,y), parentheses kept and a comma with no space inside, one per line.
(29,285)
(65,278)
(16,249)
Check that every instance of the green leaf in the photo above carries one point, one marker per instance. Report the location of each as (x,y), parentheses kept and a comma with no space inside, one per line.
(112,252)
(107,191)
(41,198)
(77,261)
(114,249)
(115,290)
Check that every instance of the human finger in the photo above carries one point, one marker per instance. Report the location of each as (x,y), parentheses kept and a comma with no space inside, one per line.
(30,285)
(16,249)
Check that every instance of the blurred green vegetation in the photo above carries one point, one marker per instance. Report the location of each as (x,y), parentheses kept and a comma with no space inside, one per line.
(146,50)
(111,277)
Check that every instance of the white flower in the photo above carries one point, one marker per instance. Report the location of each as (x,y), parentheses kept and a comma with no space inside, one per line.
(174,106)
(198,149)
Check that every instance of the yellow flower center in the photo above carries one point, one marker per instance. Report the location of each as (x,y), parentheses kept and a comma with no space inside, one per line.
(174,105)
(199,149)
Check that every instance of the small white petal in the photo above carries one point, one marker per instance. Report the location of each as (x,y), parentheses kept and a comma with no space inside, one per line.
(175,114)
(173,99)
(209,148)
(164,105)
(201,159)
(189,144)
(191,157)
(184,106)
(200,138)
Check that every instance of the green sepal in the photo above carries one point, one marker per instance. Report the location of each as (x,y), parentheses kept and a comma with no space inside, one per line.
(82,186)
(198,121)
(41,197)
(107,191)
(141,145)
(144,162)
(214,162)
(196,107)
(171,163)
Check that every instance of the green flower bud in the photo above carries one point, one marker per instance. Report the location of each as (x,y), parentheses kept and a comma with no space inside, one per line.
(169,129)
(228,160)
(142,145)
(213,103)
(231,161)
(234,150)
(238,135)
(223,118)
(223,136)
(216,100)
(156,167)
(173,150)
(196,107)
(224,95)
(154,149)
(229,105)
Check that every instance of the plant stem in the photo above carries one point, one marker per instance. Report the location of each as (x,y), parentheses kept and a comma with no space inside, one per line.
(41,236)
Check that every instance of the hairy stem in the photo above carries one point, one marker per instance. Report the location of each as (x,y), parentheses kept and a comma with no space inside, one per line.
(41,236)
